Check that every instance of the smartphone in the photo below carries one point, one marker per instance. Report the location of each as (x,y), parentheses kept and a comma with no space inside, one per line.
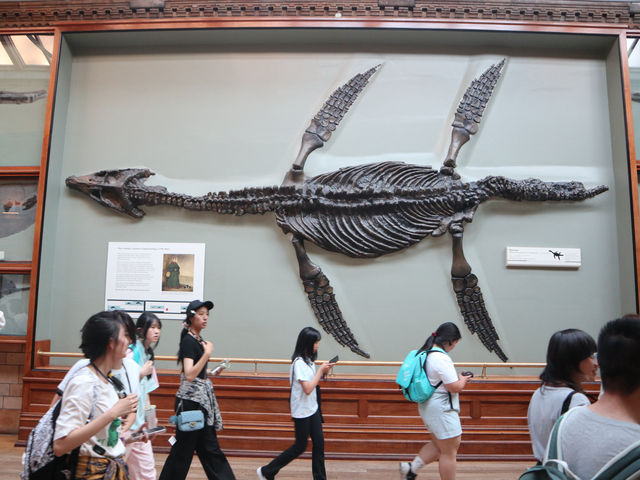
(150,431)
(334,359)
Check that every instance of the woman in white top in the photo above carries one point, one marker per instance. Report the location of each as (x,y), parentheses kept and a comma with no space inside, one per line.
(90,415)
(440,413)
(305,409)
(571,360)
(139,454)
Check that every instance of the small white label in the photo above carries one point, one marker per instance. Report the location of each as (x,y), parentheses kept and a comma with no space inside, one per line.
(1,254)
(548,257)
(172,440)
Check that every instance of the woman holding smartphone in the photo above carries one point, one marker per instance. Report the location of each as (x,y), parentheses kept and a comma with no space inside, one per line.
(440,413)
(196,393)
(305,408)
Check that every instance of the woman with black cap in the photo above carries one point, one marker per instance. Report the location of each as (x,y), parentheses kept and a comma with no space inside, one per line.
(196,393)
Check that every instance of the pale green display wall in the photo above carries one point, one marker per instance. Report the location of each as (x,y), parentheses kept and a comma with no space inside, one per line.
(217,110)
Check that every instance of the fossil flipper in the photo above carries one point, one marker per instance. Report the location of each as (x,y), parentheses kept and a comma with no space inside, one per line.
(470,300)
(323,301)
(327,119)
(469,113)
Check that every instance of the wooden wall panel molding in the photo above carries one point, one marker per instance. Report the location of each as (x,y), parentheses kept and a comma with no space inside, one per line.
(365,418)
(49,13)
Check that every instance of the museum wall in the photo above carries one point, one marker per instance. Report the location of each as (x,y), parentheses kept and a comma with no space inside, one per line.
(216,110)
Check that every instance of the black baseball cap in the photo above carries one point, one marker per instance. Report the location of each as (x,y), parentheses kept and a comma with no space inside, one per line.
(196,304)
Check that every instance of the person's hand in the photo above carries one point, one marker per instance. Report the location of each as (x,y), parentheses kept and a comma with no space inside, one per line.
(139,435)
(125,406)
(208,348)
(465,376)
(146,369)
(325,367)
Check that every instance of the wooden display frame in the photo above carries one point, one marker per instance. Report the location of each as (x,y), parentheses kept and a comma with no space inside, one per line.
(613,19)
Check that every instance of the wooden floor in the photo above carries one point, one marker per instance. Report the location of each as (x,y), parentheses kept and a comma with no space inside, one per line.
(245,468)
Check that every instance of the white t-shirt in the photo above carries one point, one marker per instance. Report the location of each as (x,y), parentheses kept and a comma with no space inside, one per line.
(440,368)
(131,384)
(544,410)
(302,405)
(77,402)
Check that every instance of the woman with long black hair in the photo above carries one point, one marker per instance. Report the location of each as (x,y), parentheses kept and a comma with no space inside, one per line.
(196,393)
(93,403)
(571,361)
(305,408)
(139,454)
(440,413)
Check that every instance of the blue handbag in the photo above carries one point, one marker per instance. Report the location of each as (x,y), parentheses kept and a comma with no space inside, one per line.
(188,421)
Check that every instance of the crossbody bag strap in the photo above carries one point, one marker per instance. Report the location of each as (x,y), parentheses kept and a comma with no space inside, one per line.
(567,402)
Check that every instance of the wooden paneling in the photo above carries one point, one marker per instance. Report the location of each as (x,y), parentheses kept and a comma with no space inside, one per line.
(364,418)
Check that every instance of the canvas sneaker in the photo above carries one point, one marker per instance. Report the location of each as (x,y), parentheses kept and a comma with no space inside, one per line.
(405,471)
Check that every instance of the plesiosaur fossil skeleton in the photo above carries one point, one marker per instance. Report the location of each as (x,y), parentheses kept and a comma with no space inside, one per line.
(362,211)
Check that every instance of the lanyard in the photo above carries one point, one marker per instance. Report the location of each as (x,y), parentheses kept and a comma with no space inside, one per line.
(115,382)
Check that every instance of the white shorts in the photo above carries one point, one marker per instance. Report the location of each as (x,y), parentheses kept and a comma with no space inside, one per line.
(442,421)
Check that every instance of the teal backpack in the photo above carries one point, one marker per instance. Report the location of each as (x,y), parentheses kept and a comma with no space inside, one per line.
(412,376)
(624,466)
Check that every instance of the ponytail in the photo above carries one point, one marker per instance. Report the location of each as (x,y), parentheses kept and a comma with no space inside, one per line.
(446,333)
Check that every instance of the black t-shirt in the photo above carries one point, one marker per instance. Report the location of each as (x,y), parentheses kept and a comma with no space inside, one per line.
(192,348)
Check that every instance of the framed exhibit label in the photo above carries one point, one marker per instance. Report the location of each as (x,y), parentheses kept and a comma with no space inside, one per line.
(155,277)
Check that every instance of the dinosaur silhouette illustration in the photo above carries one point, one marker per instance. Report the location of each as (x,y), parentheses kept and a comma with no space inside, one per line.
(361,211)
(556,254)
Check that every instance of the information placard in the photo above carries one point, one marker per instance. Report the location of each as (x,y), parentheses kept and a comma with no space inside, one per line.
(157,277)
(548,257)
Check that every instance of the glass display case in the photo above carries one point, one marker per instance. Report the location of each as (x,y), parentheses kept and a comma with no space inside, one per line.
(24,79)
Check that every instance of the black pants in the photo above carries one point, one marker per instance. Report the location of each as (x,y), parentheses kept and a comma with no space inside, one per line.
(205,443)
(305,427)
